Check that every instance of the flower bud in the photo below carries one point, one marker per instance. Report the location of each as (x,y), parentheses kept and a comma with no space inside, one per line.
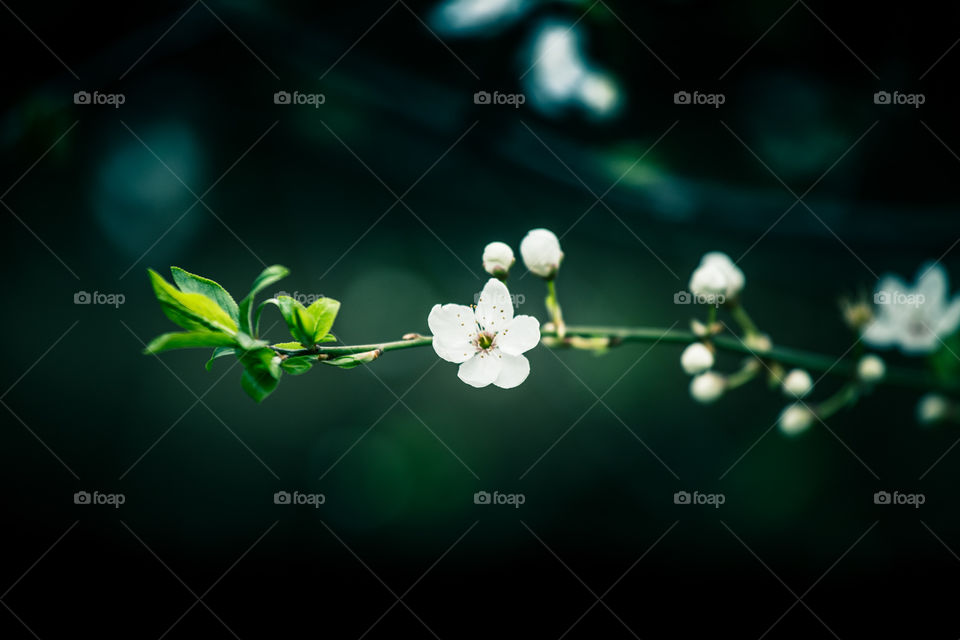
(708,281)
(352,360)
(797,383)
(696,358)
(732,274)
(871,369)
(707,387)
(932,408)
(759,342)
(497,259)
(541,253)
(795,419)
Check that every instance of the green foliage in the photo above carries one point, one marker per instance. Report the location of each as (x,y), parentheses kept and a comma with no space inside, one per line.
(308,325)
(212,318)
(188,340)
(267,277)
(192,311)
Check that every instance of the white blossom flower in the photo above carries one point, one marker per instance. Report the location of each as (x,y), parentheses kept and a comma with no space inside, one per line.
(540,250)
(497,259)
(913,318)
(871,368)
(797,383)
(708,282)
(696,358)
(486,341)
(707,387)
(932,408)
(795,419)
(716,275)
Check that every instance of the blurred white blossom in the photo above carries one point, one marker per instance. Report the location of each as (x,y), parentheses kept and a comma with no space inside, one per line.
(915,318)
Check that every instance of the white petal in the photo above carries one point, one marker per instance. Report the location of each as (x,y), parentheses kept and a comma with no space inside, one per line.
(882,332)
(522,334)
(482,369)
(947,323)
(453,327)
(932,285)
(915,344)
(515,370)
(494,308)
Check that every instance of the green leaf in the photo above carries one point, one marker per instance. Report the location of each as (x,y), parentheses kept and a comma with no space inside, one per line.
(298,364)
(289,346)
(188,340)
(324,312)
(261,373)
(259,312)
(328,338)
(192,311)
(308,325)
(219,352)
(945,364)
(267,277)
(300,323)
(191,283)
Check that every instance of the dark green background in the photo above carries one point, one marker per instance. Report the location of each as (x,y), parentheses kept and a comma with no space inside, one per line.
(400,497)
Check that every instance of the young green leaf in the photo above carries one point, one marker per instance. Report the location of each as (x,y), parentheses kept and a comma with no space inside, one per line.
(219,352)
(188,340)
(324,312)
(261,373)
(191,283)
(289,346)
(267,277)
(299,321)
(192,311)
(298,364)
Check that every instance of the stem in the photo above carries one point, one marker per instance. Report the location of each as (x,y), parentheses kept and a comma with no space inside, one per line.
(743,319)
(811,361)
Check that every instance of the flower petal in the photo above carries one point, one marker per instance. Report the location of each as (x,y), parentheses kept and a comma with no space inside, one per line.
(948,322)
(882,332)
(494,308)
(514,371)
(932,285)
(453,327)
(481,369)
(522,334)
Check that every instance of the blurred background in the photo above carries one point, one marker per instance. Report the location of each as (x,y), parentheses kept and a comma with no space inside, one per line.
(374,149)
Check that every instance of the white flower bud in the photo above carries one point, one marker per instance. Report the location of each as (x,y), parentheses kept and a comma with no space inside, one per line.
(932,408)
(497,259)
(795,419)
(731,272)
(707,387)
(871,369)
(708,281)
(540,250)
(696,358)
(797,383)
(759,342)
